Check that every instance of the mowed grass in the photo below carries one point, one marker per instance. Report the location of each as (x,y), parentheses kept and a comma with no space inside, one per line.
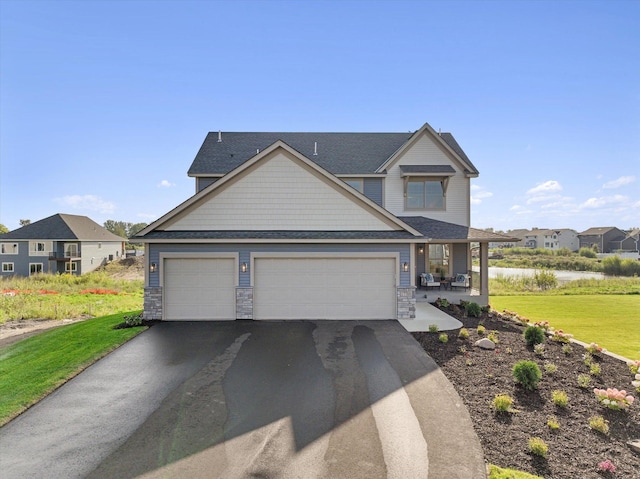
(612,321)
(32,368)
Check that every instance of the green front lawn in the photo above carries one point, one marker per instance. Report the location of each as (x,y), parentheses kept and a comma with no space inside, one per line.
(32,368)
(609,320)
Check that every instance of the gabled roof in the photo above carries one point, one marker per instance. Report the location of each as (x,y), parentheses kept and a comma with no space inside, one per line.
(62,227)
(598,231)
(392,226)
(338,153)
(445,140)
(436,230)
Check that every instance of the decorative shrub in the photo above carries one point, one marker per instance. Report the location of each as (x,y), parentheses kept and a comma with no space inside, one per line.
(636,383)
(593,348)
(481,329)
(538,349)
(595,369)
(533,335)
(584,380)
(634,366)
(561,337)
(587,359)
(606,466)
(600,424)
(612,398)
(502,403)
(473,309)
(538,447)
(560,398)
(550,368)
(443,338)
(567,349)
(493,336)
(433,328)
(463,333)
(527,374)
(552,423)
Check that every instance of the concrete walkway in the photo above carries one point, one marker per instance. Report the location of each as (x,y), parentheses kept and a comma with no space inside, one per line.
(426,315)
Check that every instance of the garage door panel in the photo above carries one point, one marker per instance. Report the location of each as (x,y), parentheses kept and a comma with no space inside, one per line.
(324,288)
(199,288)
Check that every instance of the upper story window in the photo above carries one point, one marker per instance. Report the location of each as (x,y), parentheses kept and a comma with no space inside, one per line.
(40,248)
(71,250)
(9,248)
(356,183)
(425,186)
(425,194)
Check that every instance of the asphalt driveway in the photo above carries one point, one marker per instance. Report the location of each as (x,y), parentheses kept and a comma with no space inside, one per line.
(240,399)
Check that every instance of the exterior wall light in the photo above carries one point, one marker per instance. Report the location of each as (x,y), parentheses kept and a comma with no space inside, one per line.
(405,267)
(243,267)
(153,268)
(421,250)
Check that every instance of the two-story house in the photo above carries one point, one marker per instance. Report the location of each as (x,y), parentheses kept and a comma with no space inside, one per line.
(61,243)
(603,239)
(314,226)
(552,239)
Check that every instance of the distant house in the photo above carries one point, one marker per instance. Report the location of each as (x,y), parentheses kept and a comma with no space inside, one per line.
(608,239)
(552,239)
(58,244)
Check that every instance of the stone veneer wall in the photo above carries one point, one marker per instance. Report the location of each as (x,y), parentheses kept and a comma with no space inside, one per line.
(152,303)
(244,303)
(406,302)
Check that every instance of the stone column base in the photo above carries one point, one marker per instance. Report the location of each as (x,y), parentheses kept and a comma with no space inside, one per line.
(406,302)
(244,303)
(152,303)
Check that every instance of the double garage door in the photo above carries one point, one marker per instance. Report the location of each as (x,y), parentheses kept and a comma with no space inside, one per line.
(283,288)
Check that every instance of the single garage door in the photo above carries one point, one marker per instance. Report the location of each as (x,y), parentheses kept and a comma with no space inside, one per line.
(324,288)
(199,288)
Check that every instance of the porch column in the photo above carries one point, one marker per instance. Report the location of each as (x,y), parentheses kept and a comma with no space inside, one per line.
(484,269)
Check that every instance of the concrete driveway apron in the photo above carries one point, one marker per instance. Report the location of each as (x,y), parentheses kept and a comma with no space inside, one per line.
(240,399)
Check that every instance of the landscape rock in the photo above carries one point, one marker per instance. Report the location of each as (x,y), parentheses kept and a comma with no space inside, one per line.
(485,343)
(634,445)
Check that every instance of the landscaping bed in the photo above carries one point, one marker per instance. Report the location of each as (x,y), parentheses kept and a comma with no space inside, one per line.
(574,450)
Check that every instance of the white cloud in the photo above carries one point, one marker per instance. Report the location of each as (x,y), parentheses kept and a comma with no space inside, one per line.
(546,187)
(147,216)
(478,193)
(87,202)
(165,184)
(605,201)
(622,181)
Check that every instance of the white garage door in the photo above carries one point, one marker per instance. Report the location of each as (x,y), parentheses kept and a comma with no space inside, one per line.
(199,288)
(324,288)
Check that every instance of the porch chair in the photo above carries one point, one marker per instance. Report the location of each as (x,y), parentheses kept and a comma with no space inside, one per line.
(427,280)
(460,281)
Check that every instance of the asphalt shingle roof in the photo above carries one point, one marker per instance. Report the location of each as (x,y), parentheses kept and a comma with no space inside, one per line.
(338,153)
(277,235)
(62,227)
(441,230)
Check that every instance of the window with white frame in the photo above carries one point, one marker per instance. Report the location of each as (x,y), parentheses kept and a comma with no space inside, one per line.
(9,248)
(35,268)
(425,194)
(7,267)
(40,248)
(71,267)
(71,250)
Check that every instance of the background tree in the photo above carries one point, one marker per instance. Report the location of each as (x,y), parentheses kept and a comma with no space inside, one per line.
(25,222)
(124,228)
(3,229)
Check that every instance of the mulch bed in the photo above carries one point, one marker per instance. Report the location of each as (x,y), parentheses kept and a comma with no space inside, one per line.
(575,450)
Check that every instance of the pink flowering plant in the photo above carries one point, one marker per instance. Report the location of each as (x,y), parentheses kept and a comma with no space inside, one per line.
(606,466)
(593,348)
(634,366)
(561,337)
(636,383)
(613,398)
(543,324)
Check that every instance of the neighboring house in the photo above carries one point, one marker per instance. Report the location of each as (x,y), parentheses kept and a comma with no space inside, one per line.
(631,242)
(58,244)
(605,239)
(313,226)
(552,239)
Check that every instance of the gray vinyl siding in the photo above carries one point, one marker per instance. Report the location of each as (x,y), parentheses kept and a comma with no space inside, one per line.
(372,189)
(244,252)
(97,253)
(202,183)
(20,261)
(460,251)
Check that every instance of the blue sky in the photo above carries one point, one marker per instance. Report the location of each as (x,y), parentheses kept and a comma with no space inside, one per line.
(104,104)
